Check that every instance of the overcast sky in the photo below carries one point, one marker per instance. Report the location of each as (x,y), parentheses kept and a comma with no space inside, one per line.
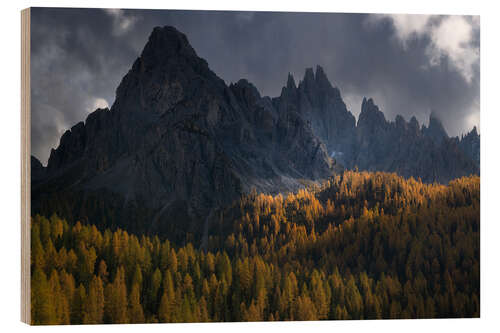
(409,64)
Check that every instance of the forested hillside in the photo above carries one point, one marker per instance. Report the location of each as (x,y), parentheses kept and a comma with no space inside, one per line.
(361,246)
(177,142)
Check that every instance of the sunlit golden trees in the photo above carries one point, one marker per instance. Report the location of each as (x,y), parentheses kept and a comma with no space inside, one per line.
(94,304)
(361,246)
(116,299)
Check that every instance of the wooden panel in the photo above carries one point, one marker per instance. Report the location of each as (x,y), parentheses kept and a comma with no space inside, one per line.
(25,166)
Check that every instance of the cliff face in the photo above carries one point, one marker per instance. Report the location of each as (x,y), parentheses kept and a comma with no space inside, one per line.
(176,143)
(321,105)
(179,142)
(470,145)
(374,143)
(408,149)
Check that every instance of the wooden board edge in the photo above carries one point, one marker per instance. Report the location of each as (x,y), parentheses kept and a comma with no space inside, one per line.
(25,166)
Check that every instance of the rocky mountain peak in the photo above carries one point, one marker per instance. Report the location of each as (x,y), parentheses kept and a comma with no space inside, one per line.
(414,126)
(400,122)
(473,135)
(245,92)
(435,121)
(309,77)
(473,132)
(37,169)
(167,72)
(370,115)
(178,143)
(316,84)
(290,82)
(167,42)
(435,130)
(321,79)
(470,145)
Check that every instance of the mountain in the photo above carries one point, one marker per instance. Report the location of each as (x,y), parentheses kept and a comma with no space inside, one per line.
(435,130)
(374,143)
(408,149)
(322,107)
(470,145)
(178,143)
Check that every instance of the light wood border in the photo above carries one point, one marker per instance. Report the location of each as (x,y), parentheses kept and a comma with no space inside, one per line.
(25,166)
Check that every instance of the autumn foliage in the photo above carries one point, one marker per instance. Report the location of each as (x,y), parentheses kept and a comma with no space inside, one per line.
(360,246)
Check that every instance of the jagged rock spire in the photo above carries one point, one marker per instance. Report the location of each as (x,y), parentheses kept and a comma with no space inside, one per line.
(370,114)
(321,79)
(290,82)
(436,129)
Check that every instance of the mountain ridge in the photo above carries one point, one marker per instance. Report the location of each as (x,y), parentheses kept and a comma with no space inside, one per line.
(178,142)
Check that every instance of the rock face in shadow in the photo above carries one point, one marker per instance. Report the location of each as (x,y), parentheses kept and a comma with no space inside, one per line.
(470,145)
(408,149)
(374,143)
(435,131)
(37,169)
(321,105)
(178,143)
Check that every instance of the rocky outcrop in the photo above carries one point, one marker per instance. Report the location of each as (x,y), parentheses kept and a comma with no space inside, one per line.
(374,143)
(321,105)
(178,143)
(470,145)
(435,130)
(406,148)
(37,169)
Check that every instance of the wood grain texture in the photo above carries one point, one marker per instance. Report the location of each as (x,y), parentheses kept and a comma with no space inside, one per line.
(25,166)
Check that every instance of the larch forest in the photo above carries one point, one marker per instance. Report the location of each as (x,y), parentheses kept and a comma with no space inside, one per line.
(363,245)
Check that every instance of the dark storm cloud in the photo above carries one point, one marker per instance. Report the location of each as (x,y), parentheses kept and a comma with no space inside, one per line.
(76,64)
(80,55)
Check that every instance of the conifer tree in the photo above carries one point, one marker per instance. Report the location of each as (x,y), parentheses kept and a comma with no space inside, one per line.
(116,299)
(136,313)
(42,303)
(94,305)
